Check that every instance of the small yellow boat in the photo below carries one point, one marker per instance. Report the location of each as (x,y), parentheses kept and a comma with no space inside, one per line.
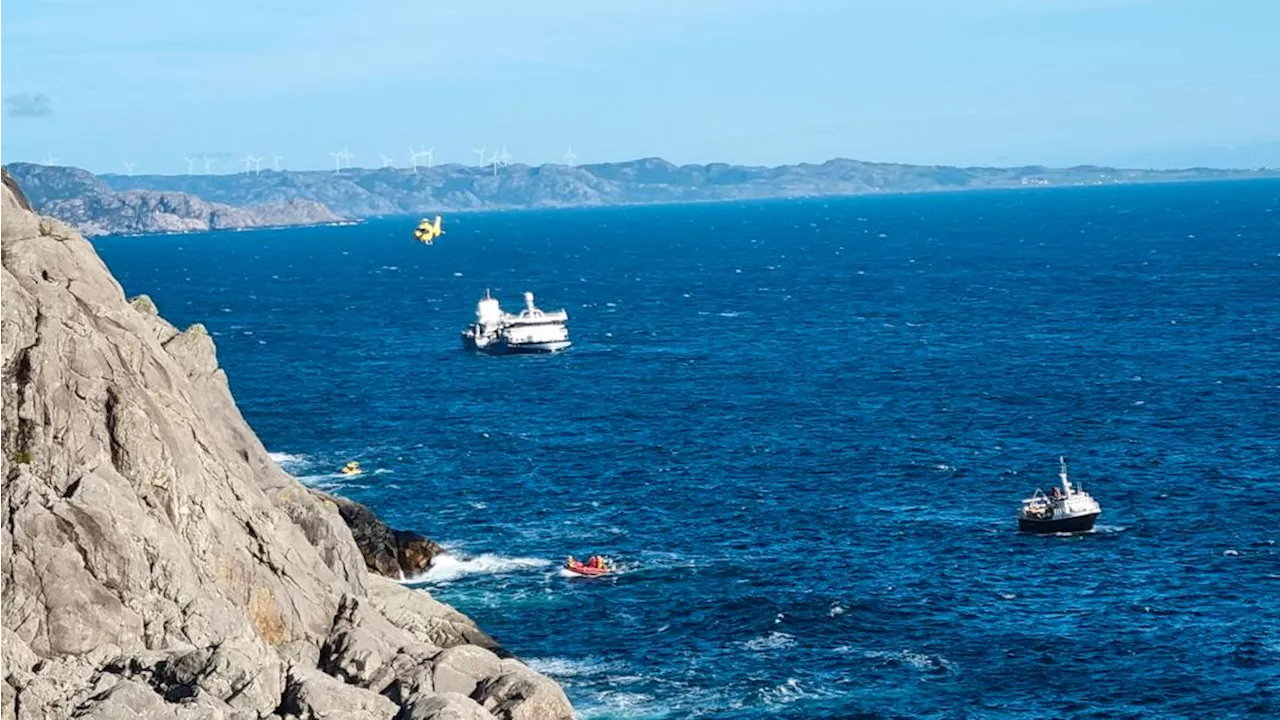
(351,468)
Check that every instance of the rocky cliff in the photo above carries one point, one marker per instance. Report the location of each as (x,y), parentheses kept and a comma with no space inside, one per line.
(82,199)
(157,564)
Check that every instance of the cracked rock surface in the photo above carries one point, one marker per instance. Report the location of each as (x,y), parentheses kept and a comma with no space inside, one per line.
(157,564)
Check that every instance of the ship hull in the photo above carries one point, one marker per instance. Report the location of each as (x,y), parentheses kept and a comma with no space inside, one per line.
(502,347)
(536,348)
(1078,523)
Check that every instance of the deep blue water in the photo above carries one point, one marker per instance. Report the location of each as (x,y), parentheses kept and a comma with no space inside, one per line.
(803,428)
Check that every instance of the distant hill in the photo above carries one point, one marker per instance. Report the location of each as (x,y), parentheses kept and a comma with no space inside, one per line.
(358,192)
(84,200)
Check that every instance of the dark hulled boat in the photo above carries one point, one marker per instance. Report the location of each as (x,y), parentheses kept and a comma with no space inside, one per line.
(1067,509)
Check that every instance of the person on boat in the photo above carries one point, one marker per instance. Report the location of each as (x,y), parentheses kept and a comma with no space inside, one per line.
(571,562)
(1057,494)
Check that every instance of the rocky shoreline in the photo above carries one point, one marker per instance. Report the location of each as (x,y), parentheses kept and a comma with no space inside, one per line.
(396,554)
(158,564)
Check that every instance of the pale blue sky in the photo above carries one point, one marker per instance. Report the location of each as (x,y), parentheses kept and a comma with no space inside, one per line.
(1146,82)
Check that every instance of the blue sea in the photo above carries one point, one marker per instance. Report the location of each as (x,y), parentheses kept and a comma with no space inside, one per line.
(802,429)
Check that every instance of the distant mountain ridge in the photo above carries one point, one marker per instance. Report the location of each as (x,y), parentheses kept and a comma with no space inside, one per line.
(82,199)
(360,192)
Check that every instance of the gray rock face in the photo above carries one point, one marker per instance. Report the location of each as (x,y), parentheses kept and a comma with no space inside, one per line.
(19,197)
(156,562)
(444,706)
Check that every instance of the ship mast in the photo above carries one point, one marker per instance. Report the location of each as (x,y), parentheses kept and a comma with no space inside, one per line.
(1062,474)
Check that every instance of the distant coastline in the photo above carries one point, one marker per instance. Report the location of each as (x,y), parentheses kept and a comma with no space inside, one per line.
(113,204)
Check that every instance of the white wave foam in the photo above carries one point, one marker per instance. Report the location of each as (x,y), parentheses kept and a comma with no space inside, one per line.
(919,661)
(324,482)
(565,667)
(789,692)
(613,704)
(282,459)
(773,641)
(447,568)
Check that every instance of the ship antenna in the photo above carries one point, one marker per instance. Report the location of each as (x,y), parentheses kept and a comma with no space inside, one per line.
(1062,473)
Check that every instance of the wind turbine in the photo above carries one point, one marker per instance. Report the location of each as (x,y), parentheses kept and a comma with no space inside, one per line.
(569,157)
(415,154)
(386,161)
(480,152)
(337,160)
(50,159)
(128,168)
(257,164)
(431,156)
(275,161)
(247,160)
(347,156)
(191,165)
(208,164)
(504,157)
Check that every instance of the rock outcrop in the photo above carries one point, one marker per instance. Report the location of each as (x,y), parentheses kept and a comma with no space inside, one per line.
(80,198)
(157,563)
(398,554)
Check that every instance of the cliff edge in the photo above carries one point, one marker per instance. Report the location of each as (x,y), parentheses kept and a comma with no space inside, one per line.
(157,564)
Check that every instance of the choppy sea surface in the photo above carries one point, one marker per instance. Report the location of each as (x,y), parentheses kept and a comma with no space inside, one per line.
(802,429)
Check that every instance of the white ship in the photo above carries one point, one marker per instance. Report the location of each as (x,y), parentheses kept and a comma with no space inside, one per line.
(500,333)
(1069,509)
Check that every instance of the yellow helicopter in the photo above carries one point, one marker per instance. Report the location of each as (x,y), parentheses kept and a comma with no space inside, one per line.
(426,232)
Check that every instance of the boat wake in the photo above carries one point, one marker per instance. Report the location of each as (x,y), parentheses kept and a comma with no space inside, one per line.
(1108,529)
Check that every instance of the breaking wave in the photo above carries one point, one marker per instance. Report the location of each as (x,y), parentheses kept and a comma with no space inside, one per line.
(448,568)
(287,460)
